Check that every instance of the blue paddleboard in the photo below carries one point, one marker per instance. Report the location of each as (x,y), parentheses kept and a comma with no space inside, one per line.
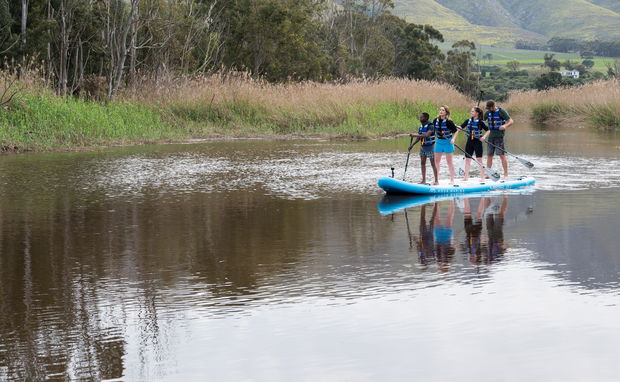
(395,186)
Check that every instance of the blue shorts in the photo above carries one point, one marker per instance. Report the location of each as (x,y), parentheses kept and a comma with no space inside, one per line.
(444,146)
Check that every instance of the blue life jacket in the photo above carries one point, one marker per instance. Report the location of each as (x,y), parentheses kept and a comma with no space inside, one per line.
(494,119)
(473,128)
(429,141)
(441,129)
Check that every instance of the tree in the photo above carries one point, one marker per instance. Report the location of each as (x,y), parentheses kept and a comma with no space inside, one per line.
(549,80)
(551,62)
(459,67)
(589,64)
(513,65)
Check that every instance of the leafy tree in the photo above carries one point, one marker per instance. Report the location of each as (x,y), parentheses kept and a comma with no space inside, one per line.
(549,80)
(513,65)
(459,67)
(551,62)
(589,64)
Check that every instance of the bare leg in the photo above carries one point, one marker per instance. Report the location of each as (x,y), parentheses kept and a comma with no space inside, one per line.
(504,165)
(467,164)
(438,163)
(450,166)
(481,170)
(423,167)
(489,163)
(435,172)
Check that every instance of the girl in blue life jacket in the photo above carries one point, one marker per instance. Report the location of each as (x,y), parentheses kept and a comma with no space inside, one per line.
(445,135)
(474,128)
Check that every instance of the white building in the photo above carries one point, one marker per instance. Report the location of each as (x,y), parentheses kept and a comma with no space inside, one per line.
(570,73)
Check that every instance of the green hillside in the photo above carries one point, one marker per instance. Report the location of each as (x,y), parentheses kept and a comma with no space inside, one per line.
(502,22)
(455,26)
(567,18)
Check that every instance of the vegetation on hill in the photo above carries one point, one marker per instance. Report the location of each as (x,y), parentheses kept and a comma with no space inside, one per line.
(503,22)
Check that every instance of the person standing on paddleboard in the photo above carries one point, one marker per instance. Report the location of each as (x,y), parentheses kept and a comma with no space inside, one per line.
(498,121)
(445,134)
(474,128)
(426,137)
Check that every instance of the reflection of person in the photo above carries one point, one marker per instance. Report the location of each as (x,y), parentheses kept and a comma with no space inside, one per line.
(474,128)
(426,241)
(473,229)
(444,248)
(495,231)
(497,120)
(445,133)
(426,134)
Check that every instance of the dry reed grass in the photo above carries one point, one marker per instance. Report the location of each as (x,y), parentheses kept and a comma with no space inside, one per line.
(598,102)
(219,89)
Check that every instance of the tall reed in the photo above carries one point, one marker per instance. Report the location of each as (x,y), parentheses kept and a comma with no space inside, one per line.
(596,102)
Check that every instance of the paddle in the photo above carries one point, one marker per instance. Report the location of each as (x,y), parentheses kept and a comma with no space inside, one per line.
(460,166)
(492,174)
(524,162)
(411,144)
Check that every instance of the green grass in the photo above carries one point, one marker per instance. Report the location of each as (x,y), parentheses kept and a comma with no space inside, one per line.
(535,58)
(45,122)
(599,116)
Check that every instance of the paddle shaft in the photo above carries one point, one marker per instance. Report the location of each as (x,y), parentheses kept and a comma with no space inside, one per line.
(489,172)
(411,144)
(523,161)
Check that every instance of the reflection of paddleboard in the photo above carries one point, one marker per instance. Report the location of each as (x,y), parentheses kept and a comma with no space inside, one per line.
(391,203)
(395,186)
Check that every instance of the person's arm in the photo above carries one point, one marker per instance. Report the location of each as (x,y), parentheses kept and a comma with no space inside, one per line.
(485,128)
(509,121)
(453,129)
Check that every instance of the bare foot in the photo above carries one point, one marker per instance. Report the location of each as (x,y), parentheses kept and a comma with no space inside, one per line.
(436,183)
(465,179)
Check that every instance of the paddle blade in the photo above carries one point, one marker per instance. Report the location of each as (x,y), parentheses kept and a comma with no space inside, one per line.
(527,164)
(460,165)
(492,174)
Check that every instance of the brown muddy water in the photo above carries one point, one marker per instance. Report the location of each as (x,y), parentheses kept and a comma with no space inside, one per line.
(271,261)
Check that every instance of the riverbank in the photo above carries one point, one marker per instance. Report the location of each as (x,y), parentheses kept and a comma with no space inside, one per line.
(597,103)
(221,106)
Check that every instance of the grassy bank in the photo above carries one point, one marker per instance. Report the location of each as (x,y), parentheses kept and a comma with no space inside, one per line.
(221,106)
(597,103)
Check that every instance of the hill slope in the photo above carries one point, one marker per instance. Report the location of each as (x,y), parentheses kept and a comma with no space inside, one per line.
(502,22)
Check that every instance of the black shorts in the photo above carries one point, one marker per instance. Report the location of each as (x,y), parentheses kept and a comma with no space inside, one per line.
(474,145)
(498,142)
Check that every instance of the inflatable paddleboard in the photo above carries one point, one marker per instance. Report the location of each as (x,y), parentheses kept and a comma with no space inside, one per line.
(395,186)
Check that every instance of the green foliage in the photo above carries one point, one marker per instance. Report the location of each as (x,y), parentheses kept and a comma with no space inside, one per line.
(513,65)
(44,121)
(542,112)
(550,80)
(460,65)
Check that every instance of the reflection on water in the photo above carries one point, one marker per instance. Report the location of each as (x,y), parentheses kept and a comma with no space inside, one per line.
(181,263)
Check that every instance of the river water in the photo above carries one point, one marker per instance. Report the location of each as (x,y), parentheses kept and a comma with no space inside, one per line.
(270,260)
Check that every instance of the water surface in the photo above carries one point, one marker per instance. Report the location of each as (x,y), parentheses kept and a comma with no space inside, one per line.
(269,260)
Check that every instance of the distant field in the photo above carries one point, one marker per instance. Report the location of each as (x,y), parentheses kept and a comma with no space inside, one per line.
(530,58)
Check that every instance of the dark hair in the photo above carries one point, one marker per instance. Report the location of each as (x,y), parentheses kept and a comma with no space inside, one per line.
(479,111)
(490,103)
(425,114)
